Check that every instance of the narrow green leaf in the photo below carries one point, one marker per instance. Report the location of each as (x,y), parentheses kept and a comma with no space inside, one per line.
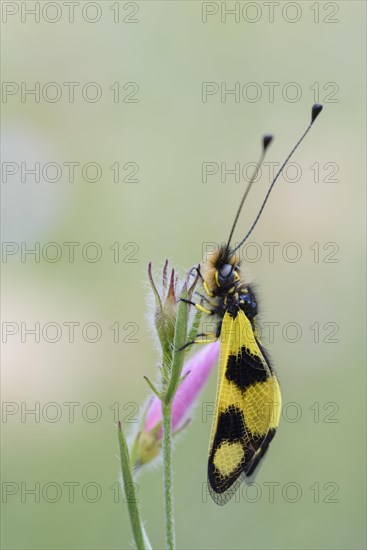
(152,387)
(140,537)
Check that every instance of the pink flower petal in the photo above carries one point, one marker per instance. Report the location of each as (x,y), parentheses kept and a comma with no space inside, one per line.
(200,366)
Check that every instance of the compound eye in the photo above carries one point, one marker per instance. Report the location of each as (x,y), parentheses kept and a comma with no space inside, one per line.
(225,275)
(226,271)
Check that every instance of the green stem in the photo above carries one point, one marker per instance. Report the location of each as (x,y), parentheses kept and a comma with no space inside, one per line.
(174,380)
(129,487)
(167,476)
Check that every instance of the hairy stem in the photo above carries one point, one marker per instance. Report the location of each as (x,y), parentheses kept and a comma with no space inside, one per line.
(173,377)
(167,476)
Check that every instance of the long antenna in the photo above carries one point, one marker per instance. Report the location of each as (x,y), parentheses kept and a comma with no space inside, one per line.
(316,110)
(267,139)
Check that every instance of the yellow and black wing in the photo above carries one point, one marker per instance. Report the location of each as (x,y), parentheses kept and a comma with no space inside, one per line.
(247,408)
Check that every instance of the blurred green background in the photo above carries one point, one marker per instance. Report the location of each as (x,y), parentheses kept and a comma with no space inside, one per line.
(169,212)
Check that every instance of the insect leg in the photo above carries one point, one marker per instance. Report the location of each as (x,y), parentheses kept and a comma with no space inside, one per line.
(207,290)
(198,306)
(205,284)
(197,269)
(203,297)
(204,338)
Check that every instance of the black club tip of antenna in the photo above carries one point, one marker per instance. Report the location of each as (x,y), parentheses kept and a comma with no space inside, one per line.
(316,110)
(267,139)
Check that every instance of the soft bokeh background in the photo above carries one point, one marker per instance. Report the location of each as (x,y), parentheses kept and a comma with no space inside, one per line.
(170,212)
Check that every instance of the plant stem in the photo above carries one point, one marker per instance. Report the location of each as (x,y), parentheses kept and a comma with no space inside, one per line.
(129,488)
(167,476)
(172,373)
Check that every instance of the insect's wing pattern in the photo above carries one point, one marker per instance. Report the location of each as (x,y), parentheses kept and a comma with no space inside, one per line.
(247,408)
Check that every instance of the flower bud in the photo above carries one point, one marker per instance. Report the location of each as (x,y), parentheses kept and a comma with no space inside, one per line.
(165,307)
